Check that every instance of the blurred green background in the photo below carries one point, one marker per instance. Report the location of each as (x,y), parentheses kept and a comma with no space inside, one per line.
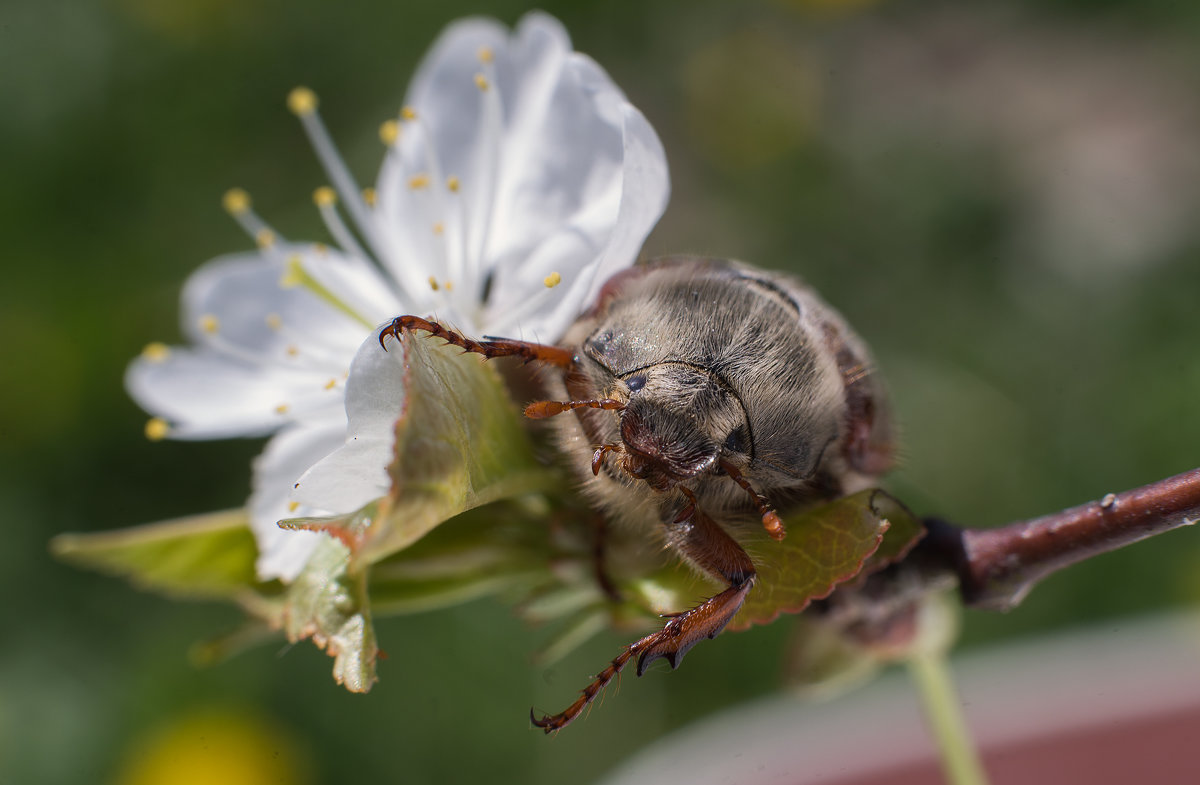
(1001,197)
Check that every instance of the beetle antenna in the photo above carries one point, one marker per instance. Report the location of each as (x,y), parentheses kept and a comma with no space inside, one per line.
(539,410)
(770,519)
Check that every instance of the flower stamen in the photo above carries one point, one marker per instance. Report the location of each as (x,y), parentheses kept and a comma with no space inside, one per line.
(537,302)
(296,275)
(156,352)
(303,103)
(157,429)
(326,200)
(237,203)
(389,132)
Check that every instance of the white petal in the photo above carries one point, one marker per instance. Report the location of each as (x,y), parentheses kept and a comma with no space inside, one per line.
(597,241)
(545,185)
(644,193)
(245,294)
(269,354)
(356,473)
(282,553)
(206,395)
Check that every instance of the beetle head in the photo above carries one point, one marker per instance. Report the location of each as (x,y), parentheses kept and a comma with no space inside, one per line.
(676,422)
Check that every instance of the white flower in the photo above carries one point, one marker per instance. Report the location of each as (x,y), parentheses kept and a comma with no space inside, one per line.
(515,164)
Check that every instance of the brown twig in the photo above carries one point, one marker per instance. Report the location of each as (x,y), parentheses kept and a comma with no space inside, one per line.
(996,568)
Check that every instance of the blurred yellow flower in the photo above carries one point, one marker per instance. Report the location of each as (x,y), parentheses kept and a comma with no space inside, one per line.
(214,746)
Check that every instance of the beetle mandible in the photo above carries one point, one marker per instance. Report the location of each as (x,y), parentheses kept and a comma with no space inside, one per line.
(706,394)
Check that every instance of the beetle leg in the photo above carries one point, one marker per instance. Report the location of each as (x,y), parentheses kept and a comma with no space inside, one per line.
(703,542)
(770,519)
(540,410)
(495,347)
(601,452)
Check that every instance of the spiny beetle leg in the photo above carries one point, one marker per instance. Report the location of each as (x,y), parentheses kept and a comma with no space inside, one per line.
(496,347)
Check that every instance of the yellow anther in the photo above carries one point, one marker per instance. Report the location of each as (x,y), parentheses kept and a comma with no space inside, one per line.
(325,196)
(293,274)
(552,280)
(369,196)
(329,385)
(485,54)
(274,321)
(156,352)
(265,238)
(292,350)
(302,101)
(157,429)
(293,506)
(408,113)
(320,248)
(235,201)
(282,408)
(209,323)
(418,182)
(438,228)
(452,183)
(433,284)
(449,285)
(389,132)
(481,82)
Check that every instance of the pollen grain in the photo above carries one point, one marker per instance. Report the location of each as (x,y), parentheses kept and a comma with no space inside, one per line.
(157,429)
(302,101)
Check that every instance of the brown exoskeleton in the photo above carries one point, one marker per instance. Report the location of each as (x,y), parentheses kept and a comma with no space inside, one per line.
(705,394)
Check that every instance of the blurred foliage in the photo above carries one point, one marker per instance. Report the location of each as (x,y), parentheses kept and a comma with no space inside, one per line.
(926,166)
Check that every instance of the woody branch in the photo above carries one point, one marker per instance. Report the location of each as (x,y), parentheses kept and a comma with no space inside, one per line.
(997,567)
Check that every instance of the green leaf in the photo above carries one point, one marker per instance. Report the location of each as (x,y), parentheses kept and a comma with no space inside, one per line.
(460,443)
(201,556)
(825,546)
(501,547)
(328,604)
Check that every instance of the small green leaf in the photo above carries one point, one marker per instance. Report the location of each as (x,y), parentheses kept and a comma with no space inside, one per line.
(824,546)
(202,556)
(460,443)
(327,603)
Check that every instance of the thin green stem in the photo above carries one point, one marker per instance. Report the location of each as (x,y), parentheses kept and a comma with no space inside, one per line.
(960,761)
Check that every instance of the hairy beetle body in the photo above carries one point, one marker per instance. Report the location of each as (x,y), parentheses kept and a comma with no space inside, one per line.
(721,363)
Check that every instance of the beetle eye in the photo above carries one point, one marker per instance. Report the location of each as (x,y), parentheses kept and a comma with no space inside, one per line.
(635,383)
(737,440)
